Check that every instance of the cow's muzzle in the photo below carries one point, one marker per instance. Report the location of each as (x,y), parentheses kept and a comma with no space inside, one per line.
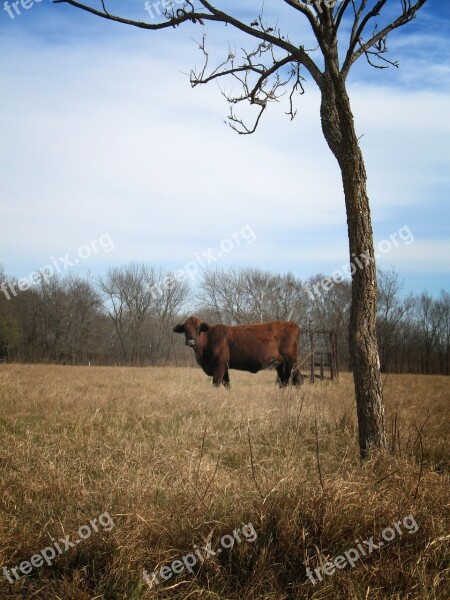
(191,343)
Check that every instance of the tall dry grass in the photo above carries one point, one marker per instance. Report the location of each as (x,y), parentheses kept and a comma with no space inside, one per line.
(177,463)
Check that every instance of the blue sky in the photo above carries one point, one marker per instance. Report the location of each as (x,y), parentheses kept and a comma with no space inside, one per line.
(102,133)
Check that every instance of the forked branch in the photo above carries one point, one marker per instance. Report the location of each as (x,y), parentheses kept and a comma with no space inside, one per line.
(376,45)
(262,75)
(259,83)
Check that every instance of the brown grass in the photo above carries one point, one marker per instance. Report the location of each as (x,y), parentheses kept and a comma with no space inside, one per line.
(177,463)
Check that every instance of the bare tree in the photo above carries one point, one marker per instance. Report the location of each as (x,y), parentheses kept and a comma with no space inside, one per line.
(169,300)
(444,333)
(275,65)
(143,304)
(288,300)
(80,317)
(240,296)
(9,324)
(392,311)
(429,318)
(50,317)
(222,292)
(329,308)
(127,295)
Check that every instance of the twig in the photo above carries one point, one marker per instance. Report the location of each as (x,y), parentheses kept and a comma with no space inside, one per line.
(104,8)
(201,452)
(420,431)
(196,493)
(386,476)
(421,463)
(252,463)
(213,475)
(394,431)
(318,456)
(384,382)
(40,590)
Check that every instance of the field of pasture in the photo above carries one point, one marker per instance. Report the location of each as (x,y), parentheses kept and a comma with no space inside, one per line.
(117,470)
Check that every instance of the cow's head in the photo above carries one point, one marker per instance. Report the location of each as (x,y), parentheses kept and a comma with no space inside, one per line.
(192,329)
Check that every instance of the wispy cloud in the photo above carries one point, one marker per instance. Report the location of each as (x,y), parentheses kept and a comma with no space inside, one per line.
(105,134)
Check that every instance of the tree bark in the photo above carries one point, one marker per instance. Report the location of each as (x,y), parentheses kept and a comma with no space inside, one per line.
(339,131)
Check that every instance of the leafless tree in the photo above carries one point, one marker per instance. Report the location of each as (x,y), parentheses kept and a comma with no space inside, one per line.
(50,317)
(343,32)
(169,300)
(9,324)
(330,309)
(288,300)
(444,333)
(143,304)
(80,316)
(240,296)
(126,298)
(222,293)
(392,312)
(429,318)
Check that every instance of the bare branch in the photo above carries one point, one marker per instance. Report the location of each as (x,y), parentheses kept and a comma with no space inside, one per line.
(358,28)
(340,13)
(239,126)
(252,464)
(276,40)
(104,8)
(261,74)
(357,16)
(268,86)
(380,49)
(306,11)
(297,87)
(378,39)
(183,15)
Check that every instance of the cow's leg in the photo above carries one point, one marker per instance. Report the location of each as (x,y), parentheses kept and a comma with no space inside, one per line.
(296,376)
(219,375)
(226,379)
(292,373)
(283,376)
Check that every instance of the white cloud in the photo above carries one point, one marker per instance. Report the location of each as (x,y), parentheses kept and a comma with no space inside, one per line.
(105,138)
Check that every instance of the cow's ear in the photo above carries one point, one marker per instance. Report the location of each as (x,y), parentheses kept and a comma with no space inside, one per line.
(179,328)
(204,327)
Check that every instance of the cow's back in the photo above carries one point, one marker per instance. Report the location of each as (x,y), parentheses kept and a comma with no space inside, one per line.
(254,347)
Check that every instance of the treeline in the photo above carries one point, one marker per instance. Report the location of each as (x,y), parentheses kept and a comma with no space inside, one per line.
(126,317)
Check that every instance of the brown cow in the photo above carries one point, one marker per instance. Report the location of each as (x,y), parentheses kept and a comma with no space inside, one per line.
(244,347)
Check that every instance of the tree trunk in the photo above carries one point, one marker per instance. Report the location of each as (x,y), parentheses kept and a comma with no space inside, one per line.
(339,131)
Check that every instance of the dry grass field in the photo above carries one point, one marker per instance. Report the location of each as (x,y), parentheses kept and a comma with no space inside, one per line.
(167,464)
